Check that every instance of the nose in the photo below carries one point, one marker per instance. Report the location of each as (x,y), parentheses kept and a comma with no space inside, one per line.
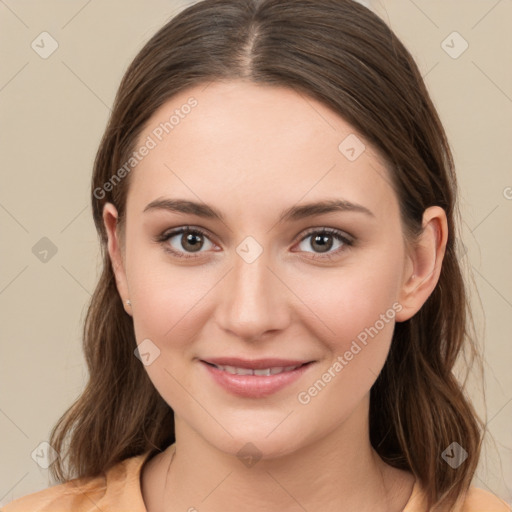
(253,300)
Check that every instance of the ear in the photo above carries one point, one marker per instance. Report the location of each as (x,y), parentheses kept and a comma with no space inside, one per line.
(110,220)
(425,259)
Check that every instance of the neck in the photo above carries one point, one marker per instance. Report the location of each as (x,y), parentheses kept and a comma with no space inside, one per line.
(337,472)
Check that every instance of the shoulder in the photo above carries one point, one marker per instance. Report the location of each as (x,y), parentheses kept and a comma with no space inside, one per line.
(117,490)
(72,495)
(479,500)
(473,500)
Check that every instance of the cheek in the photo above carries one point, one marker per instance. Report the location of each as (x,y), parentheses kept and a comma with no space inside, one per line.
(168,302)
(349,301)
(355,322)
(169,310)
(354,316)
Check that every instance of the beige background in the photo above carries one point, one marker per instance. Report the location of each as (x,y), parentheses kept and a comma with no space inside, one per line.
(54,111)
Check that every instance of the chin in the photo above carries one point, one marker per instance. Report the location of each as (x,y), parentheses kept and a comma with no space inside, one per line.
(257,444)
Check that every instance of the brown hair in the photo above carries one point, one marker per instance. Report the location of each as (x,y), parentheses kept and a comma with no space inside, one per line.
(344,55)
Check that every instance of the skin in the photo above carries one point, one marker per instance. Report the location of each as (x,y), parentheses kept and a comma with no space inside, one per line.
(252,151)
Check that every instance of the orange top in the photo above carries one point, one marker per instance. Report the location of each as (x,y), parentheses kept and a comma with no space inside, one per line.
(119,490)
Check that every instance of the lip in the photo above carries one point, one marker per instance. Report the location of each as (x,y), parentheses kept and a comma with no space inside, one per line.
(254,386)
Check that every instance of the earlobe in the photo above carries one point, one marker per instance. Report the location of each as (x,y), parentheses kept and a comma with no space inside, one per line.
(110,220)
(424,263)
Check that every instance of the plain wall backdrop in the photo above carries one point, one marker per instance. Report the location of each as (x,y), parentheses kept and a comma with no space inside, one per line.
(62,62)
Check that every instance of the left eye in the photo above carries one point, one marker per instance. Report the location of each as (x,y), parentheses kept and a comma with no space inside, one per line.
(322,239)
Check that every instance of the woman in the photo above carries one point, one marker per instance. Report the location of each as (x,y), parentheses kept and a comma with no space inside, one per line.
(281,305)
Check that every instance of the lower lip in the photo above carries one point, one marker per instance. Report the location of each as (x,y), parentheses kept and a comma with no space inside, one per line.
(255,386)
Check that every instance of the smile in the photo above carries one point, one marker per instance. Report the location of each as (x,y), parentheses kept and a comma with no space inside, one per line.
(254,379)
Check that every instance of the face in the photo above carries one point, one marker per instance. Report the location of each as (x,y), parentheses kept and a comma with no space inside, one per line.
(322,287)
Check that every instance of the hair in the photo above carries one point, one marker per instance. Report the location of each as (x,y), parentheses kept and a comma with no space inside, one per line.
(343,55)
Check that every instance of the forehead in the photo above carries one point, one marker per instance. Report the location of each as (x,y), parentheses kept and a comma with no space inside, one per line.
(240,144)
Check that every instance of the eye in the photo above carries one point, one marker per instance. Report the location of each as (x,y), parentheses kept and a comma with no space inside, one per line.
(323,241)
(191,241)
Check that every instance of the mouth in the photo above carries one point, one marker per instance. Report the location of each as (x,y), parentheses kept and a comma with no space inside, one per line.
(254,378)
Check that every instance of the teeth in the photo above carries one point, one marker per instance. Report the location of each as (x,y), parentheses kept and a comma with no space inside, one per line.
(263,371)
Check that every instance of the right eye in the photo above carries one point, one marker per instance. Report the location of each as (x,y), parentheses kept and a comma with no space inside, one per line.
(191,239)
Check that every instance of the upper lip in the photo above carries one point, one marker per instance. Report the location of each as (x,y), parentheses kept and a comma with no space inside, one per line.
(255,364)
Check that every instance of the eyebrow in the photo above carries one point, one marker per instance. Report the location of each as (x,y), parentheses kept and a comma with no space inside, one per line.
(291,214)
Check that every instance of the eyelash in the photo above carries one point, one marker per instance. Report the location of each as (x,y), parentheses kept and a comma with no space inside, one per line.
(347,242)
